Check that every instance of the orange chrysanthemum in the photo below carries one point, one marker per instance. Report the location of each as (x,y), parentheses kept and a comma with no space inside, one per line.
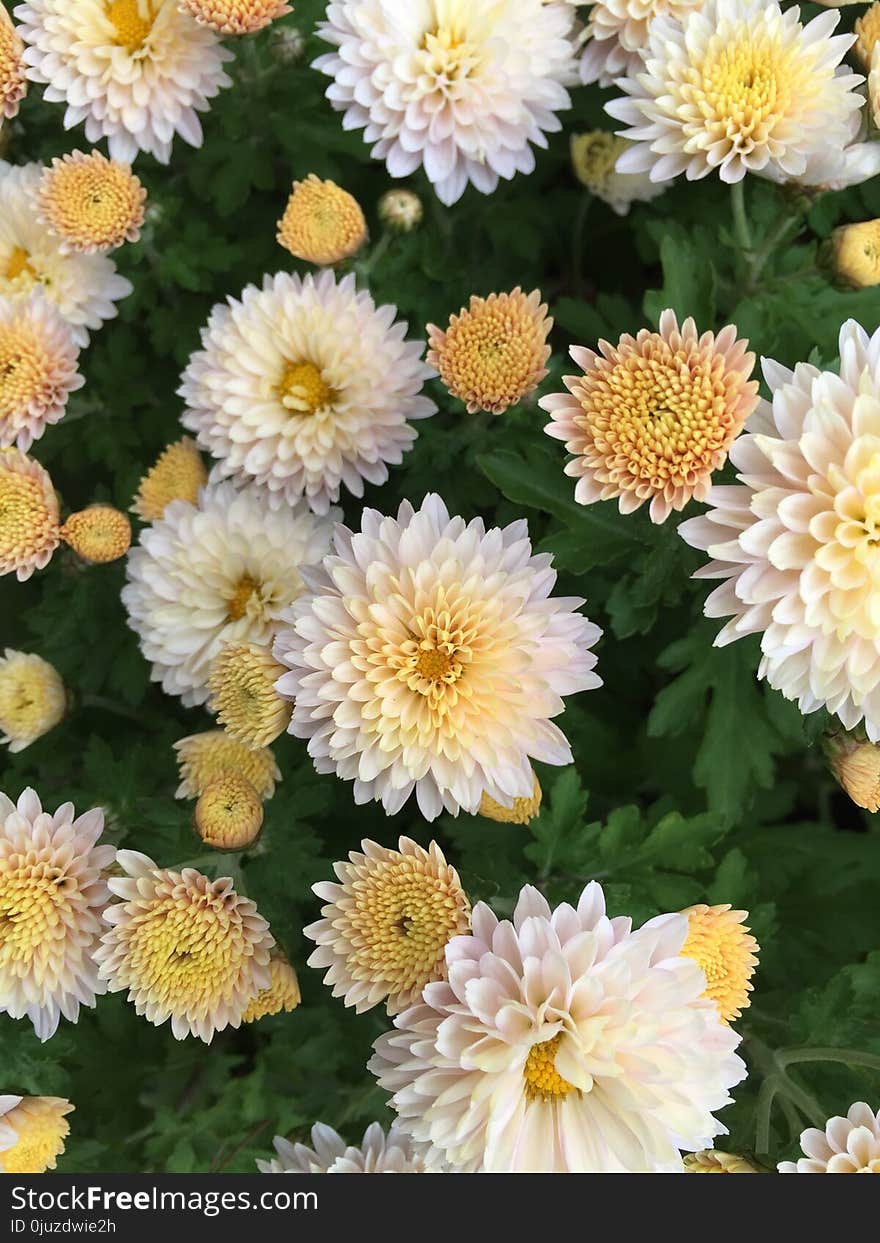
(13,83)
(236,17)
(91,204)
(719,942)
(282,994)
(322,223)
(98,534)
(178,475)
(29,526)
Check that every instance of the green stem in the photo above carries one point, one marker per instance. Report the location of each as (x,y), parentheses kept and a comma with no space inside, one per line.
(365,266)
(763,1113)
(849,1057)
(109,705)
(741,228)
(577,248)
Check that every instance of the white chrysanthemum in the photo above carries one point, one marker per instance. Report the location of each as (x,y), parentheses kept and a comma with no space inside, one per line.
(378,1153)
(563,1042)
(797,541)
(217,572)
(137,72)
(305,385)
(52,895)
(737,86)
(84,288)
(462,88)
(430,656)
(849,1145)
(39,368)
(616,35)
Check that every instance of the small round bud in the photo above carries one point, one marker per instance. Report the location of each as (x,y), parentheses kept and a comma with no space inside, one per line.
(98,534)
(855,764)
(400,210)
(288,44)
(855,254)
(229,814)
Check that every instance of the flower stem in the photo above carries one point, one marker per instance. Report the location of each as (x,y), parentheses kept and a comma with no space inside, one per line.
(741,228)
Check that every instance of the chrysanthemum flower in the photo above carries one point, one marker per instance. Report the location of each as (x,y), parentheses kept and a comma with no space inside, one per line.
(137,72)
(867,32)
(430,657)
(718,941)
(52,894)
(322,223)
(849,1145)
(282,995)
(795,541)
(98,534)
(384,930)
(229,813)
(29,518)
(236,17)
(519,811)
(38,368)
(378,1153)
(400,210)
(243,694)
(13,83)
(179,474)
(855,764)
(32,1133)
(855,253)
(494,352)
(32,698)
(615,37)
(306,385)
(90,203)
(737,86)
(594,157)
(713,1161)
(205,758)
(218,572)
(652,417)
(186,948)
(563,1042)
(460,88)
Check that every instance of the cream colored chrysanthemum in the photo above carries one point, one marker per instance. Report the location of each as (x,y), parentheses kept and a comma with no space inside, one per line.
(849,1145)
(91,203)
(855,252)
(305,386)
(98,534)
(222,571)
(179,474)
(282,995)
(39,368)
(855,764)
(520,811)
(430,658)
(52,896)
(205,758)
(867,32)
(400,210)
(615,37)
(32,698)
(236,17)
(322,223)
(243,695)
(463,89)
(13,82)
(137,72)
(652,417)
(378,1153)
(186,948)
(738,86)
(494,352)
(713,1161)
(384,930)
(32,1133)
(594,157)
(796,543)
(718,941)
(229,813)
(29,518)
(84,288)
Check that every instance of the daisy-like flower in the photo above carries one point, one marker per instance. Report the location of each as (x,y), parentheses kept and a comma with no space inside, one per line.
(218,572)
(737,86)
(855,764)
(460,88)
(98,534)
(562,1042)
(179,474)
(718,941)
(795,542)
(205,758)
(322,223)
(306,385)
(229,814)
(137,72)
(615,37)
(519,811)
(401,211)
(186,948)
(84,288)
(494,352)
(39,368)
(652,417)
(52,894)
(243,694)
(378,1153)
(32,1133)
(90,203)
(282,995)
(13,83)
(29,517)
(236,17)
(594,157)
(713,1161)
(430,657)
(32,698)
(849,1145)
(385,927)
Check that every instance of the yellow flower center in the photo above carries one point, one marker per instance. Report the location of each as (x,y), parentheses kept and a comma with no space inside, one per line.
(23,371)
(35,912)
(132,28)
(447,56)
(23,515)
(304,390)
(543,1081)
(435,657)
(433,665)
(746,83)
(41,1129)
(18,264)
(241,597)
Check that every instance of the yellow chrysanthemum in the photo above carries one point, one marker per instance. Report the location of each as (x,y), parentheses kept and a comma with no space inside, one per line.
(322,223)
(13,83)
(91,203)
(98,534)
(855,763)
(29,531)
(229,813)
(203,758)
(32,1133)
(718,941)
(243,695)
(867,32)
(521,812)
(282,994)
(712,1161)
(400,210)
(494,352)
(236,17)
(178,475)
(32,698)
(855,251)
